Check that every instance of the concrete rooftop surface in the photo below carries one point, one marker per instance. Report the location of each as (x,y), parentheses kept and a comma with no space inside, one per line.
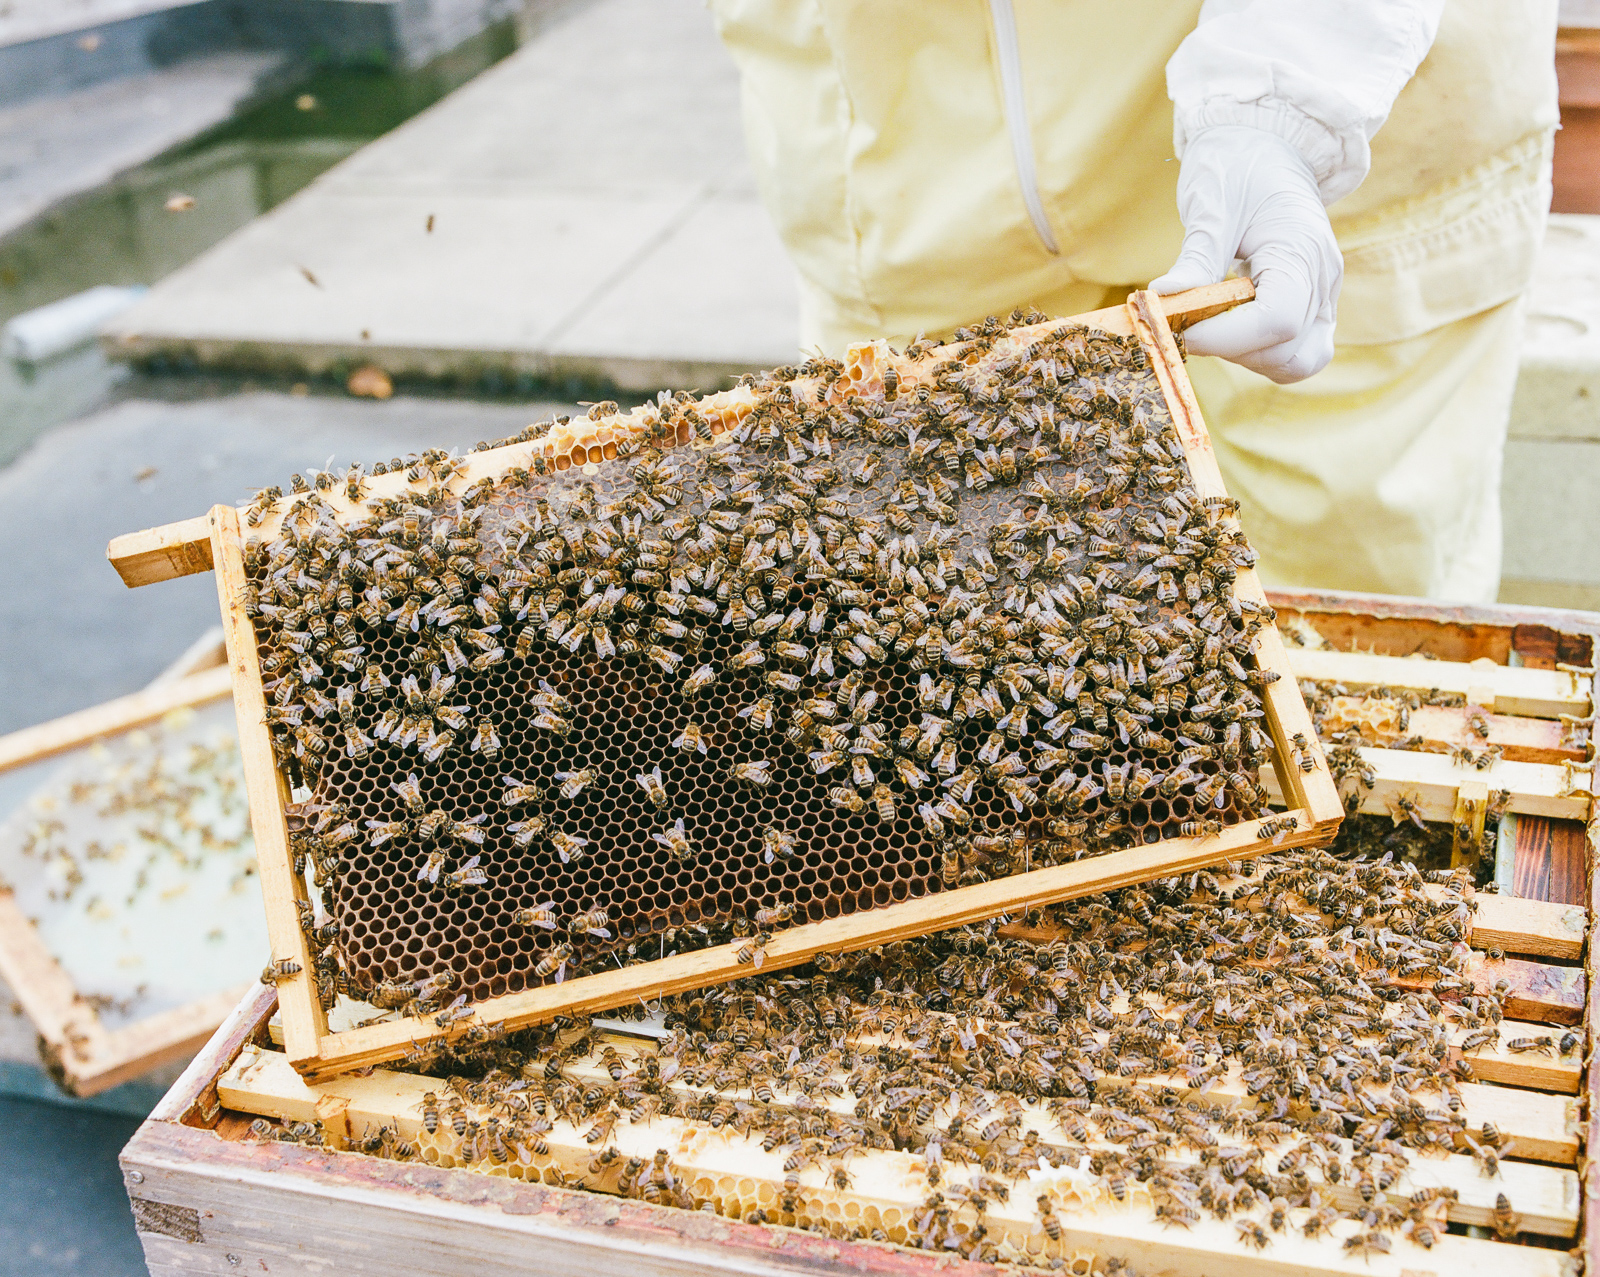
(592,216)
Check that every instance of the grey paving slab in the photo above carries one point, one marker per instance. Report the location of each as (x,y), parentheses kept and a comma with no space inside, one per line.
(63,1208)
(55,147)
(1558,390)
(669,313)
(1551,495)
(497,276)
(593,215)
(71,635)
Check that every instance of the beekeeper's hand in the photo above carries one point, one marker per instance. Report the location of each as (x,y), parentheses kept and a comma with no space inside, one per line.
(1246,193)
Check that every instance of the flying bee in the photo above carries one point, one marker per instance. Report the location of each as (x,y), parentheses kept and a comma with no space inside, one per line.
(595,922)
(469,875)
(570,847)
(676,840)
(555,962)
(693,737)
(575,782)
(778,844)
(539,915)
(757,772)
(654,787)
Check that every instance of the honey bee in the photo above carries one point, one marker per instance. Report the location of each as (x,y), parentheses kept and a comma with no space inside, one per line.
(525,832)
(700,681)
(432,867)
(570,847)
(430,1112)
(1405,806)
(540,915)
(555,962)
(676,840)
(774,916)
(574,783)
(388,831)
(757,772)
(755,951)
(520,793)
(883,801)
(654,787)
(1507,1224)
(470,874)
(595,922)
(279,970)
(693,737)
(847,798)
(1277,828)
(778,844)
(485,740)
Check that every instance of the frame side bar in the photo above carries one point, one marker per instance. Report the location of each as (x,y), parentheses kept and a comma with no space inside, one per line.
(303,1020)
(1287,715)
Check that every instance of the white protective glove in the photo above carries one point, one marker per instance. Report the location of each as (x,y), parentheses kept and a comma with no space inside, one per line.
(1246,193)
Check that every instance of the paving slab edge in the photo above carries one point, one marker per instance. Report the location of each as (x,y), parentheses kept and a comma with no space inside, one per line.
(432,364)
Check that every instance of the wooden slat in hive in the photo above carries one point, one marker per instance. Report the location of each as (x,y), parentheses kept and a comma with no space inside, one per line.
(886,1188)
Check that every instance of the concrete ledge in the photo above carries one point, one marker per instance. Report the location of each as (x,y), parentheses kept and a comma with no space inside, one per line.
(1558,391)
(592,223)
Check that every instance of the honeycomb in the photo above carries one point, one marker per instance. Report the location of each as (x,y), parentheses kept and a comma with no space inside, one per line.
(954,623)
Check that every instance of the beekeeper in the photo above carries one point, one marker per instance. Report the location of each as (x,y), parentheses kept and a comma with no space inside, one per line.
(931,162)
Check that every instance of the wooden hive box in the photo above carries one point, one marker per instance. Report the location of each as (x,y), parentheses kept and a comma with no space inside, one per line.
(85,1051)
(857,903)
(208,1198)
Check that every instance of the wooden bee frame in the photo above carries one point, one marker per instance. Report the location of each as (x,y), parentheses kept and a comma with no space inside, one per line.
(1309,795)
(85,1056)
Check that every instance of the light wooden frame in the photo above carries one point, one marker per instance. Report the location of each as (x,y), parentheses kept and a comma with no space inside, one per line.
(319,1053)
(85,1056)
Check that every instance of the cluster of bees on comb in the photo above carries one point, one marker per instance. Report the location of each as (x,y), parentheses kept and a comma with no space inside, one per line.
(877,631)
(1280,1045)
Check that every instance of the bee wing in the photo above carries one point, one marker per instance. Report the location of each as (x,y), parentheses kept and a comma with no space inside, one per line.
(601,932)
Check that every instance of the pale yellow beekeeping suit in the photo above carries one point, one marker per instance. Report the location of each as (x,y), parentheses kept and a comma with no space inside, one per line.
(878,134)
